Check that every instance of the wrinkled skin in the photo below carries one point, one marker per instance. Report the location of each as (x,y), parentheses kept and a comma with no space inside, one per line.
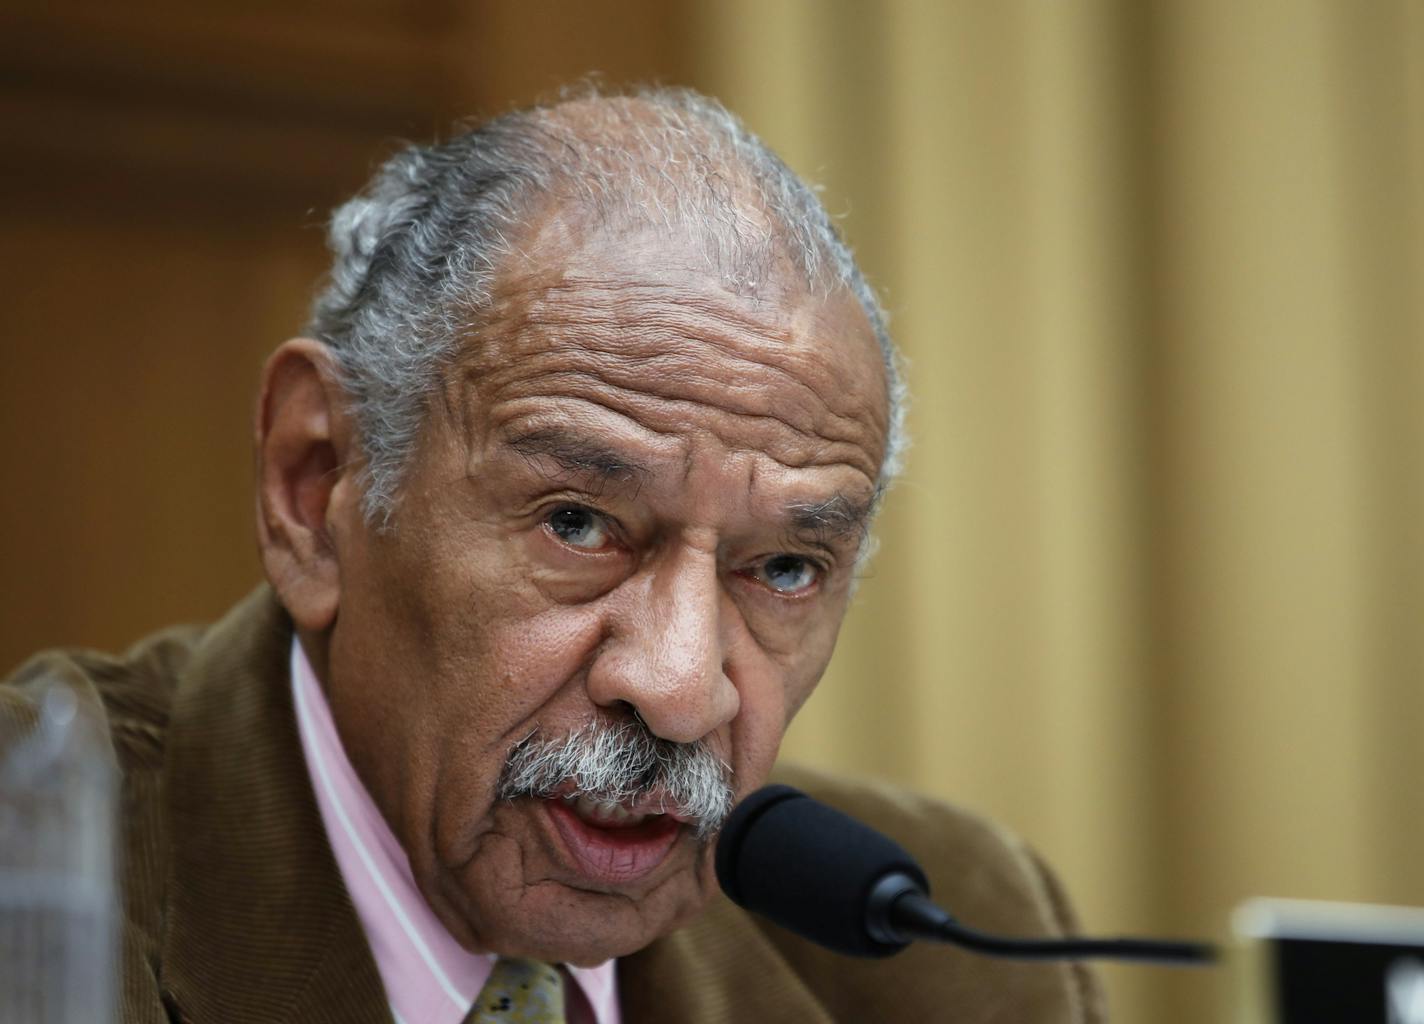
(590,525)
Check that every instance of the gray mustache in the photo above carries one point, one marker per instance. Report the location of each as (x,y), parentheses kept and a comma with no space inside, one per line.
(621,762)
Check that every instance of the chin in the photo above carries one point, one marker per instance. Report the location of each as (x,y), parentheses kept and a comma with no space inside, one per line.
(557,923)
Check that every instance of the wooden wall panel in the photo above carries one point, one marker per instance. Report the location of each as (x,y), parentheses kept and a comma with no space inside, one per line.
(164,174)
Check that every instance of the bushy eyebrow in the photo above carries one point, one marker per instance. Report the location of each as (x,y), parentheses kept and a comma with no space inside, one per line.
(582,456)
(838,518)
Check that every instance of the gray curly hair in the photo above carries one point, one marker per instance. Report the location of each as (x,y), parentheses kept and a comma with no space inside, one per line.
(416,253)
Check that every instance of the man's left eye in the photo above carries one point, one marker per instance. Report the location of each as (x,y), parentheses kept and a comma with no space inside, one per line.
(788,574)
(579,527)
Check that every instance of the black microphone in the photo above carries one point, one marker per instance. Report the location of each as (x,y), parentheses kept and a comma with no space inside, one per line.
(836,881)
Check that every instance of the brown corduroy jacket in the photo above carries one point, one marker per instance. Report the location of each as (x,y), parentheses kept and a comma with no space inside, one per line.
(234,910)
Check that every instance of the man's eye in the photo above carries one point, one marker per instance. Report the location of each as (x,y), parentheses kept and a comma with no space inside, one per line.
(788,574)
(579,527)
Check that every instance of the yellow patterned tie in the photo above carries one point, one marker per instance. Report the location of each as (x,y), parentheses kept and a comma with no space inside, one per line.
(520,992)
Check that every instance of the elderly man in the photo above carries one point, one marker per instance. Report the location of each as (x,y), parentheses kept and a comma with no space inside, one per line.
(560,503)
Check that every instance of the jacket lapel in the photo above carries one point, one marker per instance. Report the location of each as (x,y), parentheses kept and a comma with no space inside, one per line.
(259,924)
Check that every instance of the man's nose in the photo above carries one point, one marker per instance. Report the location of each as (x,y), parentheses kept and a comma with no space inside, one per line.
(665,652)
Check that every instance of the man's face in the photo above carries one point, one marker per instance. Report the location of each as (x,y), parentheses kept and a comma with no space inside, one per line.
(640,495)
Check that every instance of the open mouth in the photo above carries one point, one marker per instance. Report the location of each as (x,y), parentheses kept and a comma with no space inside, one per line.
(613,843)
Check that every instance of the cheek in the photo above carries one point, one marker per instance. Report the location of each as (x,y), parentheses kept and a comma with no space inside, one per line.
(520,672)
(525,673)
(773,683)
(537,657)
(500,649)
(769,696)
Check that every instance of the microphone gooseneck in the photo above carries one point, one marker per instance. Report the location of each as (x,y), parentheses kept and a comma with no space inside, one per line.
(836,881)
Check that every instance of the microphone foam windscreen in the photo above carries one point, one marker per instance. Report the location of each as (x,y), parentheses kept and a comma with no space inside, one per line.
(808,867)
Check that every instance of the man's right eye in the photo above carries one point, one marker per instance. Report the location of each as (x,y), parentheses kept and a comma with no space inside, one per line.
(579,527)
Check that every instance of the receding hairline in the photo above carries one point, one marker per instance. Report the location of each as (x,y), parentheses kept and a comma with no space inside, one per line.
(629,132)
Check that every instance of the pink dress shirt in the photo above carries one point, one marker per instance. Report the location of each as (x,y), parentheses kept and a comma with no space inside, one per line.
(429,978)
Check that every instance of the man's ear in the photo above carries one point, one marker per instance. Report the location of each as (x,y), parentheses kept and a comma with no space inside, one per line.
(305,466)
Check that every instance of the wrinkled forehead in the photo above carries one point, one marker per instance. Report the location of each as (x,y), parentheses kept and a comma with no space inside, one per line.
(633,318)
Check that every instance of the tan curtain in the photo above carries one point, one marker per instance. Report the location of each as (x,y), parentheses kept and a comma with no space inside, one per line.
(1152,588)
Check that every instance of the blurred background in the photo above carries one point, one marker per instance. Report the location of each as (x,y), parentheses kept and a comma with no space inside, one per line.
(1151,591)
